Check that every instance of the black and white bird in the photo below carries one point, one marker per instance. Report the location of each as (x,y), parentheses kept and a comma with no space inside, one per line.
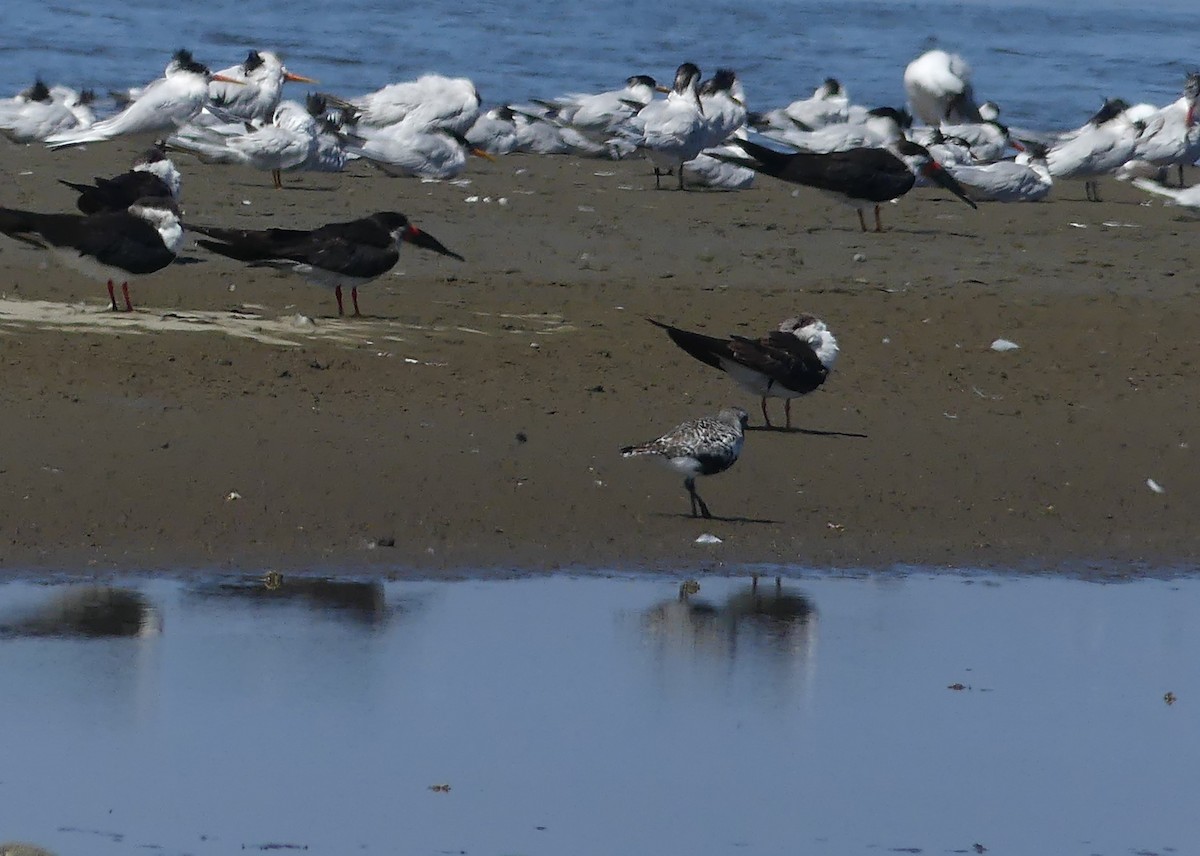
(790,361)
(164,105)
(152,174)
(335,255)
(701,447)
(109,245)
(858,177)
(674,130)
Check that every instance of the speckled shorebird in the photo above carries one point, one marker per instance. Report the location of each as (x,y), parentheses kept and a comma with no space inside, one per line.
(788,362)
(701,447)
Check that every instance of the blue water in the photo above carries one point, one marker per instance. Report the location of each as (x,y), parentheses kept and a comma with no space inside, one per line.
(873,713)
(1047,64)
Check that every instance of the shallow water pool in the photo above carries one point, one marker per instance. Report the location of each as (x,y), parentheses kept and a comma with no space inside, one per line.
(602,715)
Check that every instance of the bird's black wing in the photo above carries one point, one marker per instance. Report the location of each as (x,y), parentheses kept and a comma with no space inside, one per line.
(782,357)
(350,257)
(119,239)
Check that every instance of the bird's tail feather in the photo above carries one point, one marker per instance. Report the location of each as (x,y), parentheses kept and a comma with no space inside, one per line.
(707,349)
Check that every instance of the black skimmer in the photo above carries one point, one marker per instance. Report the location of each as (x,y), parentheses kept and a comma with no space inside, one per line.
(335,255)
(109,245)
(152,174)
(165,104)
(858,177)
(788,362)
(701,447)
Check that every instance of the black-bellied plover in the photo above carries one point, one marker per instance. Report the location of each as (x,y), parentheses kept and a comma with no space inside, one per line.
(788,362)
(701,447)
(334,255)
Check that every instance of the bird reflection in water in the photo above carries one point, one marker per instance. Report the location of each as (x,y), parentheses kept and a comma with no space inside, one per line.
(93,612)
(355,600)
(761,624)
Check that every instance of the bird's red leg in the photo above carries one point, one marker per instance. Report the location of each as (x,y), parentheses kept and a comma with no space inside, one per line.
(337,292)
(861,221)
(354,298)
(112,295)
(878,222)
(125,293)
(766,418)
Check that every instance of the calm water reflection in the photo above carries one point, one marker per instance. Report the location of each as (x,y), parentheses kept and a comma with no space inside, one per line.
(602,716)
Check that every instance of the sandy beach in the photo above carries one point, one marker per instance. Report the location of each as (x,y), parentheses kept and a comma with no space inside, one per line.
(472,418)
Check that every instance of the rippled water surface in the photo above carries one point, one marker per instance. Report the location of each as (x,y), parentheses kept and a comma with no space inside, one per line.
(833,714)
(1048,64)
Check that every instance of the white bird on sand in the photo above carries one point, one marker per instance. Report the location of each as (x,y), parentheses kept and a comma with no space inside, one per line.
(987,141)
(1024,179)
(1100,147)
(602,112)
(829,104)
(939,88)
(413,149)
(495,131)
(261,77)
(41,111)
(166,104)
(701,447)
(1172,135)
(724,104)
(881,126)
(431,100)
(288,142)
(673,131)
(1187,197)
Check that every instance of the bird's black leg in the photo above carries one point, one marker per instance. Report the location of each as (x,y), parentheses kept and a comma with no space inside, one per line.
(787,411)
(766,418)
(862,220)
(354,300)
(1181,175)
(657,176)
(681,176)
(337,292)
(878,222)
(690,484)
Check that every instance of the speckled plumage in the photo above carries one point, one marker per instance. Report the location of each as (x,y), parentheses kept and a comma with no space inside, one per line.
(700,447)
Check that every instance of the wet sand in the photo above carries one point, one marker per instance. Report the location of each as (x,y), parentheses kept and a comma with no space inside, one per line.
(472,418)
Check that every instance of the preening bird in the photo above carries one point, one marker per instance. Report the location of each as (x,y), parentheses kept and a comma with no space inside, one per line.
(790,361)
